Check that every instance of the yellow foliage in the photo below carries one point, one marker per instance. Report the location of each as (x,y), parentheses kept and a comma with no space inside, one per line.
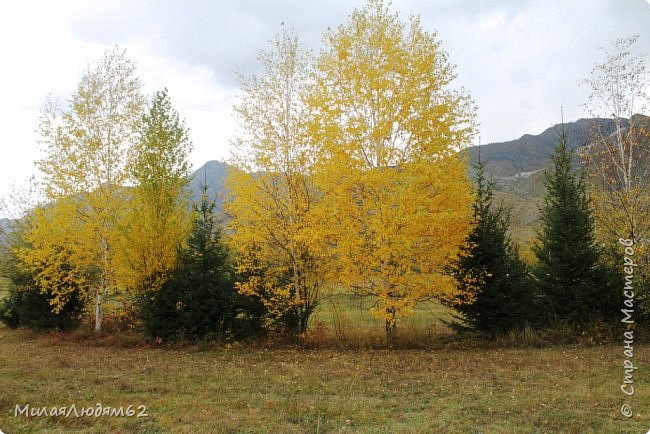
(158,218)
(76,236)
(396,203)
(149,242)
(272,194)
(618,163)
(62,251)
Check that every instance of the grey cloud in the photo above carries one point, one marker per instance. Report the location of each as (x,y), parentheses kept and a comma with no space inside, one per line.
(224,36)
(519,72)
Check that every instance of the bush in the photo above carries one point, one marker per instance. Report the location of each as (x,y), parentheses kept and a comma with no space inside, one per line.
(31,308)
(28,304)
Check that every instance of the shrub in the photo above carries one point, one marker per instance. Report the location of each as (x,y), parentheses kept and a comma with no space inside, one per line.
(28,304)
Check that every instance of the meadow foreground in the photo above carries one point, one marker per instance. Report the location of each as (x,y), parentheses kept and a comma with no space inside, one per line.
(563,389)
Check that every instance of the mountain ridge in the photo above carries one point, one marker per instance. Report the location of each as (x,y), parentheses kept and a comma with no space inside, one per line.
(530,152)
(518,167)
(213,175)
(520,157)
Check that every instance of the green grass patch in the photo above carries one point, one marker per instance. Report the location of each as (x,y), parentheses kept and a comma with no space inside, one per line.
(4,287)
(346,320)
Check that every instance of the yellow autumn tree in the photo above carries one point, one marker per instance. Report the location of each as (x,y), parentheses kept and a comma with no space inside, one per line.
(158,214)
(85,170)
(387,128)
(54,251)
(272,194)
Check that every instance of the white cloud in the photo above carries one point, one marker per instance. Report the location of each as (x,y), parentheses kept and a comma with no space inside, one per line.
(519,60)
(522,61)
(196,94)
(39,57)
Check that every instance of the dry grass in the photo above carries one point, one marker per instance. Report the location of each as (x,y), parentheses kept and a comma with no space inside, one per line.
(296,390)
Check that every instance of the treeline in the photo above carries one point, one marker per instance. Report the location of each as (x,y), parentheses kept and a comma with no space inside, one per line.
(347,177)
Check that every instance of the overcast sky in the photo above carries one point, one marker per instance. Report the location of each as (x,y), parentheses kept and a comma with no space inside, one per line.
(520,60)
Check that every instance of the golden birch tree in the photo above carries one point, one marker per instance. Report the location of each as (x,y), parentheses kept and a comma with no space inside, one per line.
(618,164)
(272,192)
(85,170)
(54,251)
(388,127)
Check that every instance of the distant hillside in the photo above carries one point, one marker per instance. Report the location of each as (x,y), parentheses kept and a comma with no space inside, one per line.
(7,226)
(530,153)
(213,174)
(518,166)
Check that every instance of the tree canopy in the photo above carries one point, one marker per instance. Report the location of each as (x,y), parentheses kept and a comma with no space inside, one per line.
(387,128)
(85,171)
(273,193)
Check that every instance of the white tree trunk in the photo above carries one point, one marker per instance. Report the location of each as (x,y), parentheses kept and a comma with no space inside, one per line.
(98,312)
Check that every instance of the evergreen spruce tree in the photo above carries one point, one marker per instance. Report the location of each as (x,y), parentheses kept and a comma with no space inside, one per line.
(494,293)
(199,299)
(574,284)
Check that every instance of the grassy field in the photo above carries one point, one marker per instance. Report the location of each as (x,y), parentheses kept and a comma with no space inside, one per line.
(346,321)
(553,390)
(4,283)
(455,387)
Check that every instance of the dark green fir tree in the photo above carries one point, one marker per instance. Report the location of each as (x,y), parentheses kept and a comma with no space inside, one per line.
(494,294)
(574,285)
(199,299)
